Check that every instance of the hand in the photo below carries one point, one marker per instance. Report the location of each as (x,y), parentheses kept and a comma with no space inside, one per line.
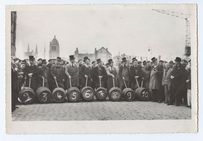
(54,77)
(69,76)
(123,78)
(187,81)
(21,73)
(112,75)
(136,77)
(30,74)
(86,76)
(172,77)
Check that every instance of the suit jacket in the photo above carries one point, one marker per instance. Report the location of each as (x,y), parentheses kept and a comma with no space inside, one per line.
(155,81)
(85,70)
(124,71)
(96,72)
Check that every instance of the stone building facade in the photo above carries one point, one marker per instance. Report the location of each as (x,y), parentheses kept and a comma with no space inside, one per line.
(54,49)
(102,53)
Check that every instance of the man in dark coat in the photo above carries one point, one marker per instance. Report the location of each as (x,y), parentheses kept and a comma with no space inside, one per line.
(72,73)
(31,72)
(43,74)
(111,74)
(21,74)
(178,81)
(136,75)
(97,71)
(85,71)
(124,74)
(160,69)
(58,72)
(146,71)
(50,78)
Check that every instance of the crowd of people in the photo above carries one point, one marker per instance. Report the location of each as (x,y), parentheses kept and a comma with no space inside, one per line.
(168,82)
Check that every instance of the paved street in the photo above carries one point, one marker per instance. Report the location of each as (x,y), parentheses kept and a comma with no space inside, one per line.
(136,110)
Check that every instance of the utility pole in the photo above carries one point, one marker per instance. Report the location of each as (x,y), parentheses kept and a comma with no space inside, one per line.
(185,17)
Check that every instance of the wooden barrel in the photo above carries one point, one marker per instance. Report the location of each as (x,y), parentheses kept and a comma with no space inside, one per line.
(101,93)
(115,94)
(73,94)
(128,94)
(87,93)
(142,94)
(43,95)
(26,95)
(59,95)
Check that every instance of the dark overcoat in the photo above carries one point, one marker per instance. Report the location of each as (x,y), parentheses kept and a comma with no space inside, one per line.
(96,72)
(35,77)
(85,70)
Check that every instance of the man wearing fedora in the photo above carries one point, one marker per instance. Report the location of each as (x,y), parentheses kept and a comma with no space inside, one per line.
(43,73)
(97,71)
(58,73)
(178,81)
(72,73)
(85,71)
(136,75)
(111,74)
(124,74)
(31,72)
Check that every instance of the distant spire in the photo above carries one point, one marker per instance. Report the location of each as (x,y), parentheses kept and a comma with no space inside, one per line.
(44,51)
(28,48)
(36,50)
(54,36)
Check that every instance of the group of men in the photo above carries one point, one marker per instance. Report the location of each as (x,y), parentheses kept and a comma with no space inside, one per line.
(168,82)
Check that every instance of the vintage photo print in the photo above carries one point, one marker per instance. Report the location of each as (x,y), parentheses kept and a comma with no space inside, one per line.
(101,68)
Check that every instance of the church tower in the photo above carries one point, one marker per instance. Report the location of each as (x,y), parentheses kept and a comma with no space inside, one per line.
(54,48)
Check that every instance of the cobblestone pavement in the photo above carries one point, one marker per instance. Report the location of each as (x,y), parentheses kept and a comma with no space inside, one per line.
(101,111)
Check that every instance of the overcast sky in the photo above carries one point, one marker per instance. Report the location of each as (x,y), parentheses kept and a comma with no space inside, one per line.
(125,29)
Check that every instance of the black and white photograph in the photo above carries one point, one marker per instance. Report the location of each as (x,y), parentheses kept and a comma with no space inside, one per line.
(89,65)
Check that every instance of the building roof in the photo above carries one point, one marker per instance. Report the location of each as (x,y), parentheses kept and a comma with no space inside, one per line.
(54,41)
(102,48)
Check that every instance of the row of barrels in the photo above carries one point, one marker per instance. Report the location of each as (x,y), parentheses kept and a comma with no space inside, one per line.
(73,94)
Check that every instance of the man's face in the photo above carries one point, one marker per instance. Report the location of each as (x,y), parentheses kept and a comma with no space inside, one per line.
(177,63)
(87,61)
(44,64)
(39,61)
(58,61)
(155,62)
(72,60)
(100,64)
(184,63)
(160,63)
(111,64)
(22,66)
(135,63)
(124,63)
(31,62)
